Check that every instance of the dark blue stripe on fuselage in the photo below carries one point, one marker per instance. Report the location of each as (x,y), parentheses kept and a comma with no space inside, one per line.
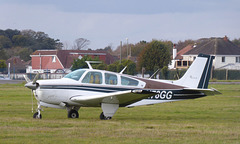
(86,88)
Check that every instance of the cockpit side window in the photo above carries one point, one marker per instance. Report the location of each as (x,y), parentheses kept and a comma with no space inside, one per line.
(128,81)
(75,75)
(93,78)
(110,79)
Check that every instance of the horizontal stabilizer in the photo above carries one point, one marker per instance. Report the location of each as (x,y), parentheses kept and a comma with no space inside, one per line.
(211,91)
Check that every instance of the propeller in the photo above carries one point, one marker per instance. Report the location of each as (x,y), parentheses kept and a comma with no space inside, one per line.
(31,85)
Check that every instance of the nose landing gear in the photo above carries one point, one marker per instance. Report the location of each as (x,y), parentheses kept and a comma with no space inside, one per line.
(38,115)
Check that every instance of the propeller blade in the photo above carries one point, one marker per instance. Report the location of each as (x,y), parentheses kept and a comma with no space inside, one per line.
(35,78)
(26,78)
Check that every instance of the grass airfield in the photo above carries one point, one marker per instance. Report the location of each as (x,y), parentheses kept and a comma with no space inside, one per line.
(212,119)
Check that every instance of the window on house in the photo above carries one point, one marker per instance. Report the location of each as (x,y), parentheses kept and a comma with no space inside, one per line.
(237,59)
(223,59)
(179,63)
(184,63)
(53,59)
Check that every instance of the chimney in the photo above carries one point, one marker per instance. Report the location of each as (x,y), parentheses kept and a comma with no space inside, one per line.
(225,38)
(174,51)
(195,45)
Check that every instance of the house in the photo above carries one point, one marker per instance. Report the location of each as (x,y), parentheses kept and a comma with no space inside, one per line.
(60,61)
(227,54)
(17,64)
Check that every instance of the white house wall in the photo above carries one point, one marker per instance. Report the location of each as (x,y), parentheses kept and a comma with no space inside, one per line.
(230,62)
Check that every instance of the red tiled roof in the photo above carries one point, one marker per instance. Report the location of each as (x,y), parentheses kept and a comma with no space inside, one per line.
(67,56)
(183,51)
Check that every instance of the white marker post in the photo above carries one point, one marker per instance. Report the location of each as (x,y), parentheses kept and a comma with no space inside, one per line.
(9,70)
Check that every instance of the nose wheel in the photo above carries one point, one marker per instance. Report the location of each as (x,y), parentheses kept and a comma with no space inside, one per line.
(38,115)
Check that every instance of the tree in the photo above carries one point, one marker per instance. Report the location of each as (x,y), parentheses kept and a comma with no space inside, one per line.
(3,54)
(3,65)
(155,54)
(118,67)
(40,40)
(80,63)
(101,66)
(81,43)
(10,33)
(5,42)
(236,42)
(25,54)
(165,72)
(20,40)
(112,67)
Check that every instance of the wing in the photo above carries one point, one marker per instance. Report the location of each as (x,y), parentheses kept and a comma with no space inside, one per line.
(122,98)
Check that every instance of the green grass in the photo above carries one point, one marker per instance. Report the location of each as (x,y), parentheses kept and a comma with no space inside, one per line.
(212,119)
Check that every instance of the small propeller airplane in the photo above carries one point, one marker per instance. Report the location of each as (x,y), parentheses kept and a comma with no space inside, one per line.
(110,90)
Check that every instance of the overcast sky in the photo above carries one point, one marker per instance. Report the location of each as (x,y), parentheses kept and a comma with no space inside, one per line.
(107,22)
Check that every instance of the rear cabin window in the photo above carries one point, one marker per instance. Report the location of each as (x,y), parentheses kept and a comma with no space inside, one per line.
(93,78)
(110,79)
(128,81)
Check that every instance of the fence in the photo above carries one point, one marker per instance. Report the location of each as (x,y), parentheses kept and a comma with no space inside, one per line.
(19,76)
(216,74)
(170,75)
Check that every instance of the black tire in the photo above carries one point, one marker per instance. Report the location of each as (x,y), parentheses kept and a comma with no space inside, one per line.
(73,114)
(103,117)
(35,115)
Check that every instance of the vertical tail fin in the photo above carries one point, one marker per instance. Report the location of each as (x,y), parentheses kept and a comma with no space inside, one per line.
(198,74)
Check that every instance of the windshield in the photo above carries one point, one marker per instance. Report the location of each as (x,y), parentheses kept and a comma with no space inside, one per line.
(76,75)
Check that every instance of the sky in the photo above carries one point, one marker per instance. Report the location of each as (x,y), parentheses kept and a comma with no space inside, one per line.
(107,22)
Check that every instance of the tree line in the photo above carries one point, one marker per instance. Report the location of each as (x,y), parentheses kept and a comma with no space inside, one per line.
(23,43)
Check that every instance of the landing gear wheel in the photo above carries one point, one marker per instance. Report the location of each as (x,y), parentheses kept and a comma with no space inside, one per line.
(103,117)
(73,114)
(36,116)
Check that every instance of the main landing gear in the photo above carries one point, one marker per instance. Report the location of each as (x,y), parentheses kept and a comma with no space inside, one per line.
(108,110)
(73,112)
(103,117)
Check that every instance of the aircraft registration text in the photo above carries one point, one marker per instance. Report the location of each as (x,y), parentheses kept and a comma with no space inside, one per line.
(167,95)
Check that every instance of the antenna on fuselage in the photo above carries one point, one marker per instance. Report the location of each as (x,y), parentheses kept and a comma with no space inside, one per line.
(154,74)
(123,70)
(89,65)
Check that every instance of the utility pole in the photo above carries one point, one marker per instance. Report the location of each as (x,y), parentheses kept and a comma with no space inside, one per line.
(120,51)
(127,46)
